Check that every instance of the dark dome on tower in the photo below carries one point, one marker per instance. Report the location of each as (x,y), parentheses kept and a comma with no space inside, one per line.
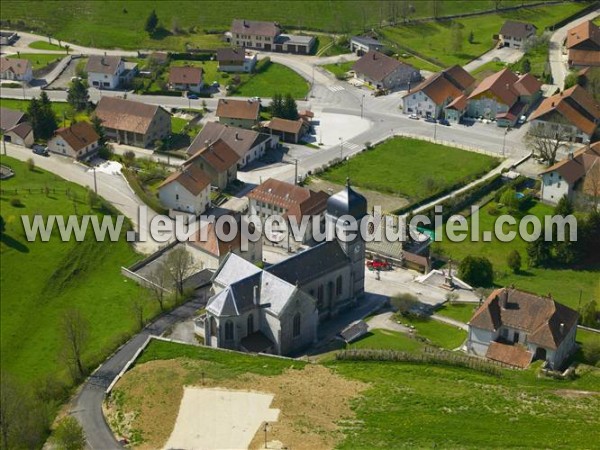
(347,201)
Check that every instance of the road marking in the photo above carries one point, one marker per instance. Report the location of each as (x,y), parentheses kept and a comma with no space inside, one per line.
(336,88)
(351,145)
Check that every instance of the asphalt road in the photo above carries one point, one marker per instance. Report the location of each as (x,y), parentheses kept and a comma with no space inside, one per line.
(88,404)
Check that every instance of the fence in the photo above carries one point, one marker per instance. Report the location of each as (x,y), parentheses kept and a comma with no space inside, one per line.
(40,190)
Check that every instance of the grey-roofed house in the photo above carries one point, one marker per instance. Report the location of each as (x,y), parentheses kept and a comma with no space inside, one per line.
(514,34)
(278,309)
(364,44)
(236,59)
(384,72)
(248,144)
(104,72)
(267,36)
(15,69)
(15,128)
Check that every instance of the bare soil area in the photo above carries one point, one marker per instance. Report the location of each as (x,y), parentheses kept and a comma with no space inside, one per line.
(312,401)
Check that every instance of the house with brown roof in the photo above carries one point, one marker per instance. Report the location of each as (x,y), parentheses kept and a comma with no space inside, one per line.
(105,71)
(248,144)
(236,59)
(209,250)
(430,97)
(578,175)
(15,69)
(79,141)
(287,130)
(583,44)
(133,123)
(238,113)
(504,97)
(573,112)
(219,161)
(267,36)
(514,34)
(186,79)
(186,190)
(384,72)
(515,327)
(275,197)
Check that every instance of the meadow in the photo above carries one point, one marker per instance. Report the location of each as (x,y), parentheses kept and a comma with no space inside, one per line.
(113,24)
(39,60)
(436,39)
(565,285)
(41,280)
(397,166)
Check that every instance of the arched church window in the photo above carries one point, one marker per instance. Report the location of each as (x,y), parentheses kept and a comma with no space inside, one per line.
(296,328)
(250,324)
(338,286)
(229,330)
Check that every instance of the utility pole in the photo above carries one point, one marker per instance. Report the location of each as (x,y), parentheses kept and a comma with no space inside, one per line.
(341,149)
(362,106)
(4,144)
(265,430)
(95,182)
(504,142)
(23,86)
(434,131)
(296,171)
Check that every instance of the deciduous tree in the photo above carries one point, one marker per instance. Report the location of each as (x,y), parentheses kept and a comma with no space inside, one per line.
(545,141)
(477,271)
(75,333)
(180,264)
(78,96)
(151,23)
(69,434)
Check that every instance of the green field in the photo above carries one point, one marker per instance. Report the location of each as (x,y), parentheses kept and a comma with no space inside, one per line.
(339,69)
(121,24)
(417,406)
(437,333)
(435,39)
(460,311)
(274,79)
(398,166)
(538,58)
(387,340)
(39,60)
(564,284)
(43,45)
(40,280)
(177,124)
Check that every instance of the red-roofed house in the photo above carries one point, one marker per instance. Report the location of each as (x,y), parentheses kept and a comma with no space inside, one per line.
(186,79)
(578,173)
(79,141)
(187,189)
(15,69)
(583,43)
(384,72)
(572,112)
(516,327)
(504,96)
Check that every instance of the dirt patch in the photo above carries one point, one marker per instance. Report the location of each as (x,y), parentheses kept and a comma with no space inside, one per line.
(387,202)
(312,402)
(574,393)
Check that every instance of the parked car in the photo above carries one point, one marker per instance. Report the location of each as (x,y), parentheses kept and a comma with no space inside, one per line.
(192,96)
(430,120)
(413,116)
(40,150)
(444,122)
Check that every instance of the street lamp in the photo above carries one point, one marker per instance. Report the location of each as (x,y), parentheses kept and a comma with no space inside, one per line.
(434,130)
(362,106)
(265,429)
(504,142)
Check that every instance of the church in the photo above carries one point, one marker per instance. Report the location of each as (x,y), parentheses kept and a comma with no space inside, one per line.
(278,309)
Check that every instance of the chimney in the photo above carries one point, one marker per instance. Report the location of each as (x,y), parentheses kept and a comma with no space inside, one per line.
(503,299)
(571,153)
(553,104)
(237,136)
(255,295)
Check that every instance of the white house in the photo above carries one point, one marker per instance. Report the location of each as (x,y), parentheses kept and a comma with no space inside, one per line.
(514,34)
(516,327)
(15,69)
(364,44)
(186,79)
(186,190)
(430,97)
(79,141)
(579,173)
(104,72)
(274,197)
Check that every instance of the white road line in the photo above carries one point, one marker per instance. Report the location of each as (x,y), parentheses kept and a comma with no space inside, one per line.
(351,145)
(336,88)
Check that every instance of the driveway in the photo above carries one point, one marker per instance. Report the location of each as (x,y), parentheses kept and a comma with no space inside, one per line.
(558,60)
(505,54)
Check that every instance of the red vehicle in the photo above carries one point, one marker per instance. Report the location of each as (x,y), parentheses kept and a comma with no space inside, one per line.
(378,265)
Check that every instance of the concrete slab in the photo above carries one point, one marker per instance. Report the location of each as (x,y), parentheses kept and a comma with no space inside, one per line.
(219,418)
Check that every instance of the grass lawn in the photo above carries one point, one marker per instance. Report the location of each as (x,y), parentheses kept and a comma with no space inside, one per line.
(43,45)
(398,166)
(121,25)
(210,71)
(339,69)
(387,340)
(177,124)
(435,39)
(39,60)
(458,311)
(438,333)
(417,406)
(564,284)
(276,78)
(538,58)
(63,110)
(40,280)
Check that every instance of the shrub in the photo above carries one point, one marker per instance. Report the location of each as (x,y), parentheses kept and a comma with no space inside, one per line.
(477,271)
(514,261)
(30,164)
(16,202)
(591,352)
(403,302)
(69,434)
